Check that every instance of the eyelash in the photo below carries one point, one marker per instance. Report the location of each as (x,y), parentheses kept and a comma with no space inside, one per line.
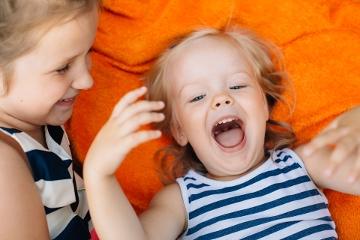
(197,98)
(63,70)
(236,87)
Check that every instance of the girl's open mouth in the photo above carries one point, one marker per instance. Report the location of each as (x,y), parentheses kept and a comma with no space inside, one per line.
(229,132)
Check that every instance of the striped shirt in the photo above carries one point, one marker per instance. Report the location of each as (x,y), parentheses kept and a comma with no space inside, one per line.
(277,200)
(60,188)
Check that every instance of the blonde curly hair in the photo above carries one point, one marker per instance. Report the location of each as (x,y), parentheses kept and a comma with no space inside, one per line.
(265,60)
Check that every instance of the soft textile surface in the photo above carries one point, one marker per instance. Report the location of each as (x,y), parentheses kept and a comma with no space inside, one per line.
(320,40)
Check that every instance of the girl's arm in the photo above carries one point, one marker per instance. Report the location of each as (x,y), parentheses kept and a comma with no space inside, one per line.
(111,212)
(114,217)
(20,203)
(333,157)
(166,212)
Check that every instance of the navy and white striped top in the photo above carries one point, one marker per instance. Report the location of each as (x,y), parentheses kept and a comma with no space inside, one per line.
(277,200)
(61,189)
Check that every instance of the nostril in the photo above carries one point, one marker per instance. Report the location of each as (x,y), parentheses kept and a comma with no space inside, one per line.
(227,102)
(217,104)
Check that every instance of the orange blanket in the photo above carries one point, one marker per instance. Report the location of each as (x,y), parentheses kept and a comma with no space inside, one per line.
(320,40)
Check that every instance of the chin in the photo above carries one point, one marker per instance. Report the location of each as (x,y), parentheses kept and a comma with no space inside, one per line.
(239,170)
(60,120)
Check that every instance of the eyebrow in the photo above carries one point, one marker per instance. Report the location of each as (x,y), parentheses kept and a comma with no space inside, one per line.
(244,75)
(185,87)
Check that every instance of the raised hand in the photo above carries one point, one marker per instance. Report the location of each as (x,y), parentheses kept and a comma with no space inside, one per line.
(121,133)
(342,138)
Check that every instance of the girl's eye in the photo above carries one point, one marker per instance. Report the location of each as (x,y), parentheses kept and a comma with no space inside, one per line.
(197,98)
(63,70)
(235,87)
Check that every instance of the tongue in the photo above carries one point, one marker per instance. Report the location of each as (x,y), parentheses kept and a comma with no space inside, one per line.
(230,138)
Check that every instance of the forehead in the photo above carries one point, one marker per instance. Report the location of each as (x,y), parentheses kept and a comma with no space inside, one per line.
(61,42)
(205,58)
(74,33)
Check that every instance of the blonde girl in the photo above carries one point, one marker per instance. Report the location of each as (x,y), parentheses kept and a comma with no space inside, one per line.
(237,177)
(44,65)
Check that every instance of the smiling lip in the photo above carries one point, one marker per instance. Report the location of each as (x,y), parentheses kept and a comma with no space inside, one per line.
(66,102)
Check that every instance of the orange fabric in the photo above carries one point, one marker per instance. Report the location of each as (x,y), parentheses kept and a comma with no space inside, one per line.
(321,44)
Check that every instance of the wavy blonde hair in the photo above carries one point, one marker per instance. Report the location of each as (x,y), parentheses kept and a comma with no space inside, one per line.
(266,61)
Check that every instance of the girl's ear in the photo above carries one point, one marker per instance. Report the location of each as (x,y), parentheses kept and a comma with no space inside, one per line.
(178,133)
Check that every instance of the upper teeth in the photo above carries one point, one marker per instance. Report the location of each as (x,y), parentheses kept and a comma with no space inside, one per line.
(225,121)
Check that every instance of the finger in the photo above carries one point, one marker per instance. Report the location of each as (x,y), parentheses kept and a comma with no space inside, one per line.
(137,138)
(138,120)
(341,153)
(356,170)
(128,99)
(343,148)
(329,138)
(138,107)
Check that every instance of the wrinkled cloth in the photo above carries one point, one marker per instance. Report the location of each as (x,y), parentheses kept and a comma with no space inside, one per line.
(320,40)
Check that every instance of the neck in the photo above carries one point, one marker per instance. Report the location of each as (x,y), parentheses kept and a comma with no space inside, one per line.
(260,161)
(35,131)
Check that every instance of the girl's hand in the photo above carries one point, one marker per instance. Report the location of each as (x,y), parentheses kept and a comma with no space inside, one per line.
(342,137)
(121,133)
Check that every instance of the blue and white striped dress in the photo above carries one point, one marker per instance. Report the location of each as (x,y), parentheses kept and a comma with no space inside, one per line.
(61,189)
(277,200)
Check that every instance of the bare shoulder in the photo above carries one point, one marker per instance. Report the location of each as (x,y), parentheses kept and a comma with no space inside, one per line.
(11,154)
(314,164)
(169,193)
(19,194)
(166,215)
(170,199)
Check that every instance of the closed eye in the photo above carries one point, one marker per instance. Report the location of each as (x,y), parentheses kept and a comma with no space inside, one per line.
(236,87)
(63,69)
(197,98)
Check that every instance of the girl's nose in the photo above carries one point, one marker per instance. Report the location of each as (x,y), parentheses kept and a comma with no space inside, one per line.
(221,101)
(84,81)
